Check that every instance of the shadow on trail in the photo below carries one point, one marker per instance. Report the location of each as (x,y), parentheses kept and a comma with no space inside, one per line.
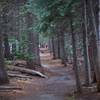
(59,86)
(5,98)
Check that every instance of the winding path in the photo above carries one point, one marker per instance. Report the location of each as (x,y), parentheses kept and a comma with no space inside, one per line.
(59,85)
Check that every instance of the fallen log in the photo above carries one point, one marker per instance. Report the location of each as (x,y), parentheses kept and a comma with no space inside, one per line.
(18,75)
(28,71)
(2,88)
(13,72)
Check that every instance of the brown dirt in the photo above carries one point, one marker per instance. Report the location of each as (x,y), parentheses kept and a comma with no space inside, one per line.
(60,84)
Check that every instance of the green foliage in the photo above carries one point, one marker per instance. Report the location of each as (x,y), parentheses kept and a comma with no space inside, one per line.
(19,55)
(49,14)
(30,56)
(50,10)
(8,62)
(23,40)
(43,39)
(23,56)
(21,51)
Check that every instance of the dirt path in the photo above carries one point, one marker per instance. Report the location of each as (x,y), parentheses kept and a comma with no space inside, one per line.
(59,85)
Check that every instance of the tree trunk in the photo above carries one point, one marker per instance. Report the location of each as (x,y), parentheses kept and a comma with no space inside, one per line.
(62,48)
(86,60)
(33,45)
(13,49)
(3,74)
(50,45)
(33,50)
(85,47)
(6,47)
(91,56)
(96,51)
(56,47)
(53,48)
(78,84)
(5,30)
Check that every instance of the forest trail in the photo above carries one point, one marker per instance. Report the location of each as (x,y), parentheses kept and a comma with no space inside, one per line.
(37,36)
(58,86)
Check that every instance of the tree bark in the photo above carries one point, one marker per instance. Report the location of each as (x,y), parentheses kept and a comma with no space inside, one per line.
(50,45)
(96,51)
(78,84)
(61,48)
(6,47)
(33,44)
(3,74)
(58,45)
(5,30)
(85,46)
(33,50)
(53,48)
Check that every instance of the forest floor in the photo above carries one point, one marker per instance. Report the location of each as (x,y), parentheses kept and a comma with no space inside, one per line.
(59,85)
